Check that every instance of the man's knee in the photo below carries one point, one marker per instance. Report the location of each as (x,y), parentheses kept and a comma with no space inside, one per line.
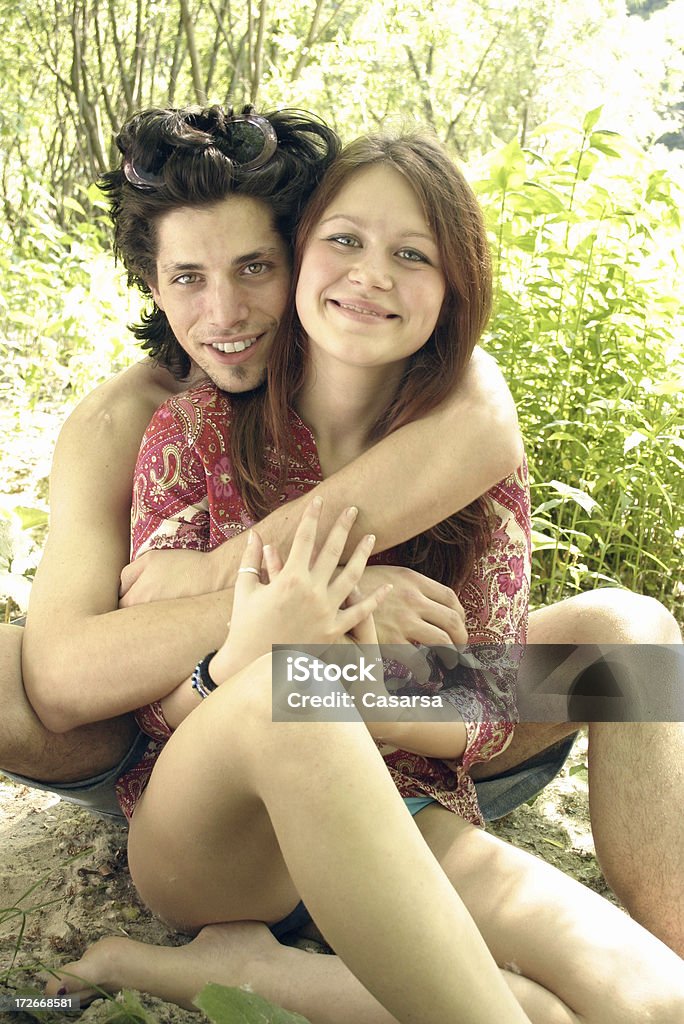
(32,752)
(612,615)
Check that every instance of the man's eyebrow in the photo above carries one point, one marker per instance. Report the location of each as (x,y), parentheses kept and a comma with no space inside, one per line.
(181,267)
(269,252)
(360,223)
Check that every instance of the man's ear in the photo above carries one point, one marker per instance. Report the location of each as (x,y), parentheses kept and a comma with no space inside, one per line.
(152,285)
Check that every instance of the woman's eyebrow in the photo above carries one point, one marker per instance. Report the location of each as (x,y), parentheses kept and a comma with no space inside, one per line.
(360,223)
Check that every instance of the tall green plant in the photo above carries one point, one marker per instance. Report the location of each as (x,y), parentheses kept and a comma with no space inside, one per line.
(588,328)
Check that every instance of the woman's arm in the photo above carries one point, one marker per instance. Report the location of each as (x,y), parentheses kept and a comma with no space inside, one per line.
(479,692)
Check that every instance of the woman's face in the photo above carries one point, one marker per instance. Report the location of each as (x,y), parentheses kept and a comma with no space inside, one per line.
(371,287)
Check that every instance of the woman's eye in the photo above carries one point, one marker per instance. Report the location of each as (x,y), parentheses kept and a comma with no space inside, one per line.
(345,240)
(412,256)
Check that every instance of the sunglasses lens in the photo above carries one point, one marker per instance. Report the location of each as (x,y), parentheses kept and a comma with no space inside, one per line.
(252,141)
(246,142)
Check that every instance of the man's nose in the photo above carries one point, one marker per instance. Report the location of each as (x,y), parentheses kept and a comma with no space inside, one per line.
(228,305)
(371,269)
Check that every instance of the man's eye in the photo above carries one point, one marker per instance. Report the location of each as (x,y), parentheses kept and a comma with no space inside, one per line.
(185,279)
(254,269)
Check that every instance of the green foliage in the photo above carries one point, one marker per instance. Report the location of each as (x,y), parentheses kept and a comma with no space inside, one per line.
(19,549)
(588,328)
(238,1006)
(476,71)
(64,307)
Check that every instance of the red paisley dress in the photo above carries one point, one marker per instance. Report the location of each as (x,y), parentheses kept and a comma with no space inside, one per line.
(184,497)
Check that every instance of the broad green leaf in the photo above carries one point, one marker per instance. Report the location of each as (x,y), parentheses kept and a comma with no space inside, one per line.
(597,143)
(545,199)
(633,441)
(575,494)
(542,542)
(73,204)
(31,517)
(224,1005)
(508,167)
(591,119)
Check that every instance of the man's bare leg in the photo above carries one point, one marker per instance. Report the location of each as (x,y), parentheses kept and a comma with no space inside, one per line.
(27,748)
(636,770)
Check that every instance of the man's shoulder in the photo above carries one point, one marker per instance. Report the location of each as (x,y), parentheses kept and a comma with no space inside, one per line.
(125,402)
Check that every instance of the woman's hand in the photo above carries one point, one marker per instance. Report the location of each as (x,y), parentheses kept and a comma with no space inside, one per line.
(306,601)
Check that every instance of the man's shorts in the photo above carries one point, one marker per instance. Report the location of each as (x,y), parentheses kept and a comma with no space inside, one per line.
(97,793)
(497,796)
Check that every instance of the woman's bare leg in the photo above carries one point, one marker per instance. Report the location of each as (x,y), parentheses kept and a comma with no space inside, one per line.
(322,988)
(243,816)
(26,746)
(569,940)
(601,965)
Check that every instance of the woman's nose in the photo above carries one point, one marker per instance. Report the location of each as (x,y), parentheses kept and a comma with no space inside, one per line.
(371,270)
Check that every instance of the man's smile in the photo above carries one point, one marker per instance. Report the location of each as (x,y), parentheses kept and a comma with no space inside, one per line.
(234,346)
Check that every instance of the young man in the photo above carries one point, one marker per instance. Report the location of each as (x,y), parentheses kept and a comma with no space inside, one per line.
(87,660)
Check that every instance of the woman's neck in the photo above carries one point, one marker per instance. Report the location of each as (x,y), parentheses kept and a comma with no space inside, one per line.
(341,404)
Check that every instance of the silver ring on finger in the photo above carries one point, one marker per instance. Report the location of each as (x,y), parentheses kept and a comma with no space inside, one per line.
(249,568)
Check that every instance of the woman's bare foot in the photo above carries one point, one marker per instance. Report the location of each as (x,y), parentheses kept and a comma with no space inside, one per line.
(228,954)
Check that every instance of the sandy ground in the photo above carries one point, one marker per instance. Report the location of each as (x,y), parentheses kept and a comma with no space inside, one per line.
(66,871)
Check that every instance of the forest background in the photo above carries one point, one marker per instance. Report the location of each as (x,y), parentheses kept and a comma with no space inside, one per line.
(567,116)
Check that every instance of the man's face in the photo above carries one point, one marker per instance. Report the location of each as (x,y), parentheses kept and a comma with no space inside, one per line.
(223,279)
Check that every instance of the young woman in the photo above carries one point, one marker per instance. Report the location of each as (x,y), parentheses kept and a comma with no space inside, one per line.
(431,919)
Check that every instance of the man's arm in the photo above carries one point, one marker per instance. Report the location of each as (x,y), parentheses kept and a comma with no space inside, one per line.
(86,660)
(437,464)
(83,660)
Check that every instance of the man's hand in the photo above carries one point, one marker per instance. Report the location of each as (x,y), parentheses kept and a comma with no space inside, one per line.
(160,575)
(416,610)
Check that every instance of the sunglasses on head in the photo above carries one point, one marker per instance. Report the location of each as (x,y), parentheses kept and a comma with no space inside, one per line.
(249,142)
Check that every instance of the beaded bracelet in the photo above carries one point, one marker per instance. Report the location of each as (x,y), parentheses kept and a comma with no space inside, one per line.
(201,681)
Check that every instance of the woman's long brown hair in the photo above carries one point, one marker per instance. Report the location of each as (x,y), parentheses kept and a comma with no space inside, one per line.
(448,550)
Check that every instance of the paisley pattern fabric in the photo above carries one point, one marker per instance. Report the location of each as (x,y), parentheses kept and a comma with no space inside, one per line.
(184,497)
